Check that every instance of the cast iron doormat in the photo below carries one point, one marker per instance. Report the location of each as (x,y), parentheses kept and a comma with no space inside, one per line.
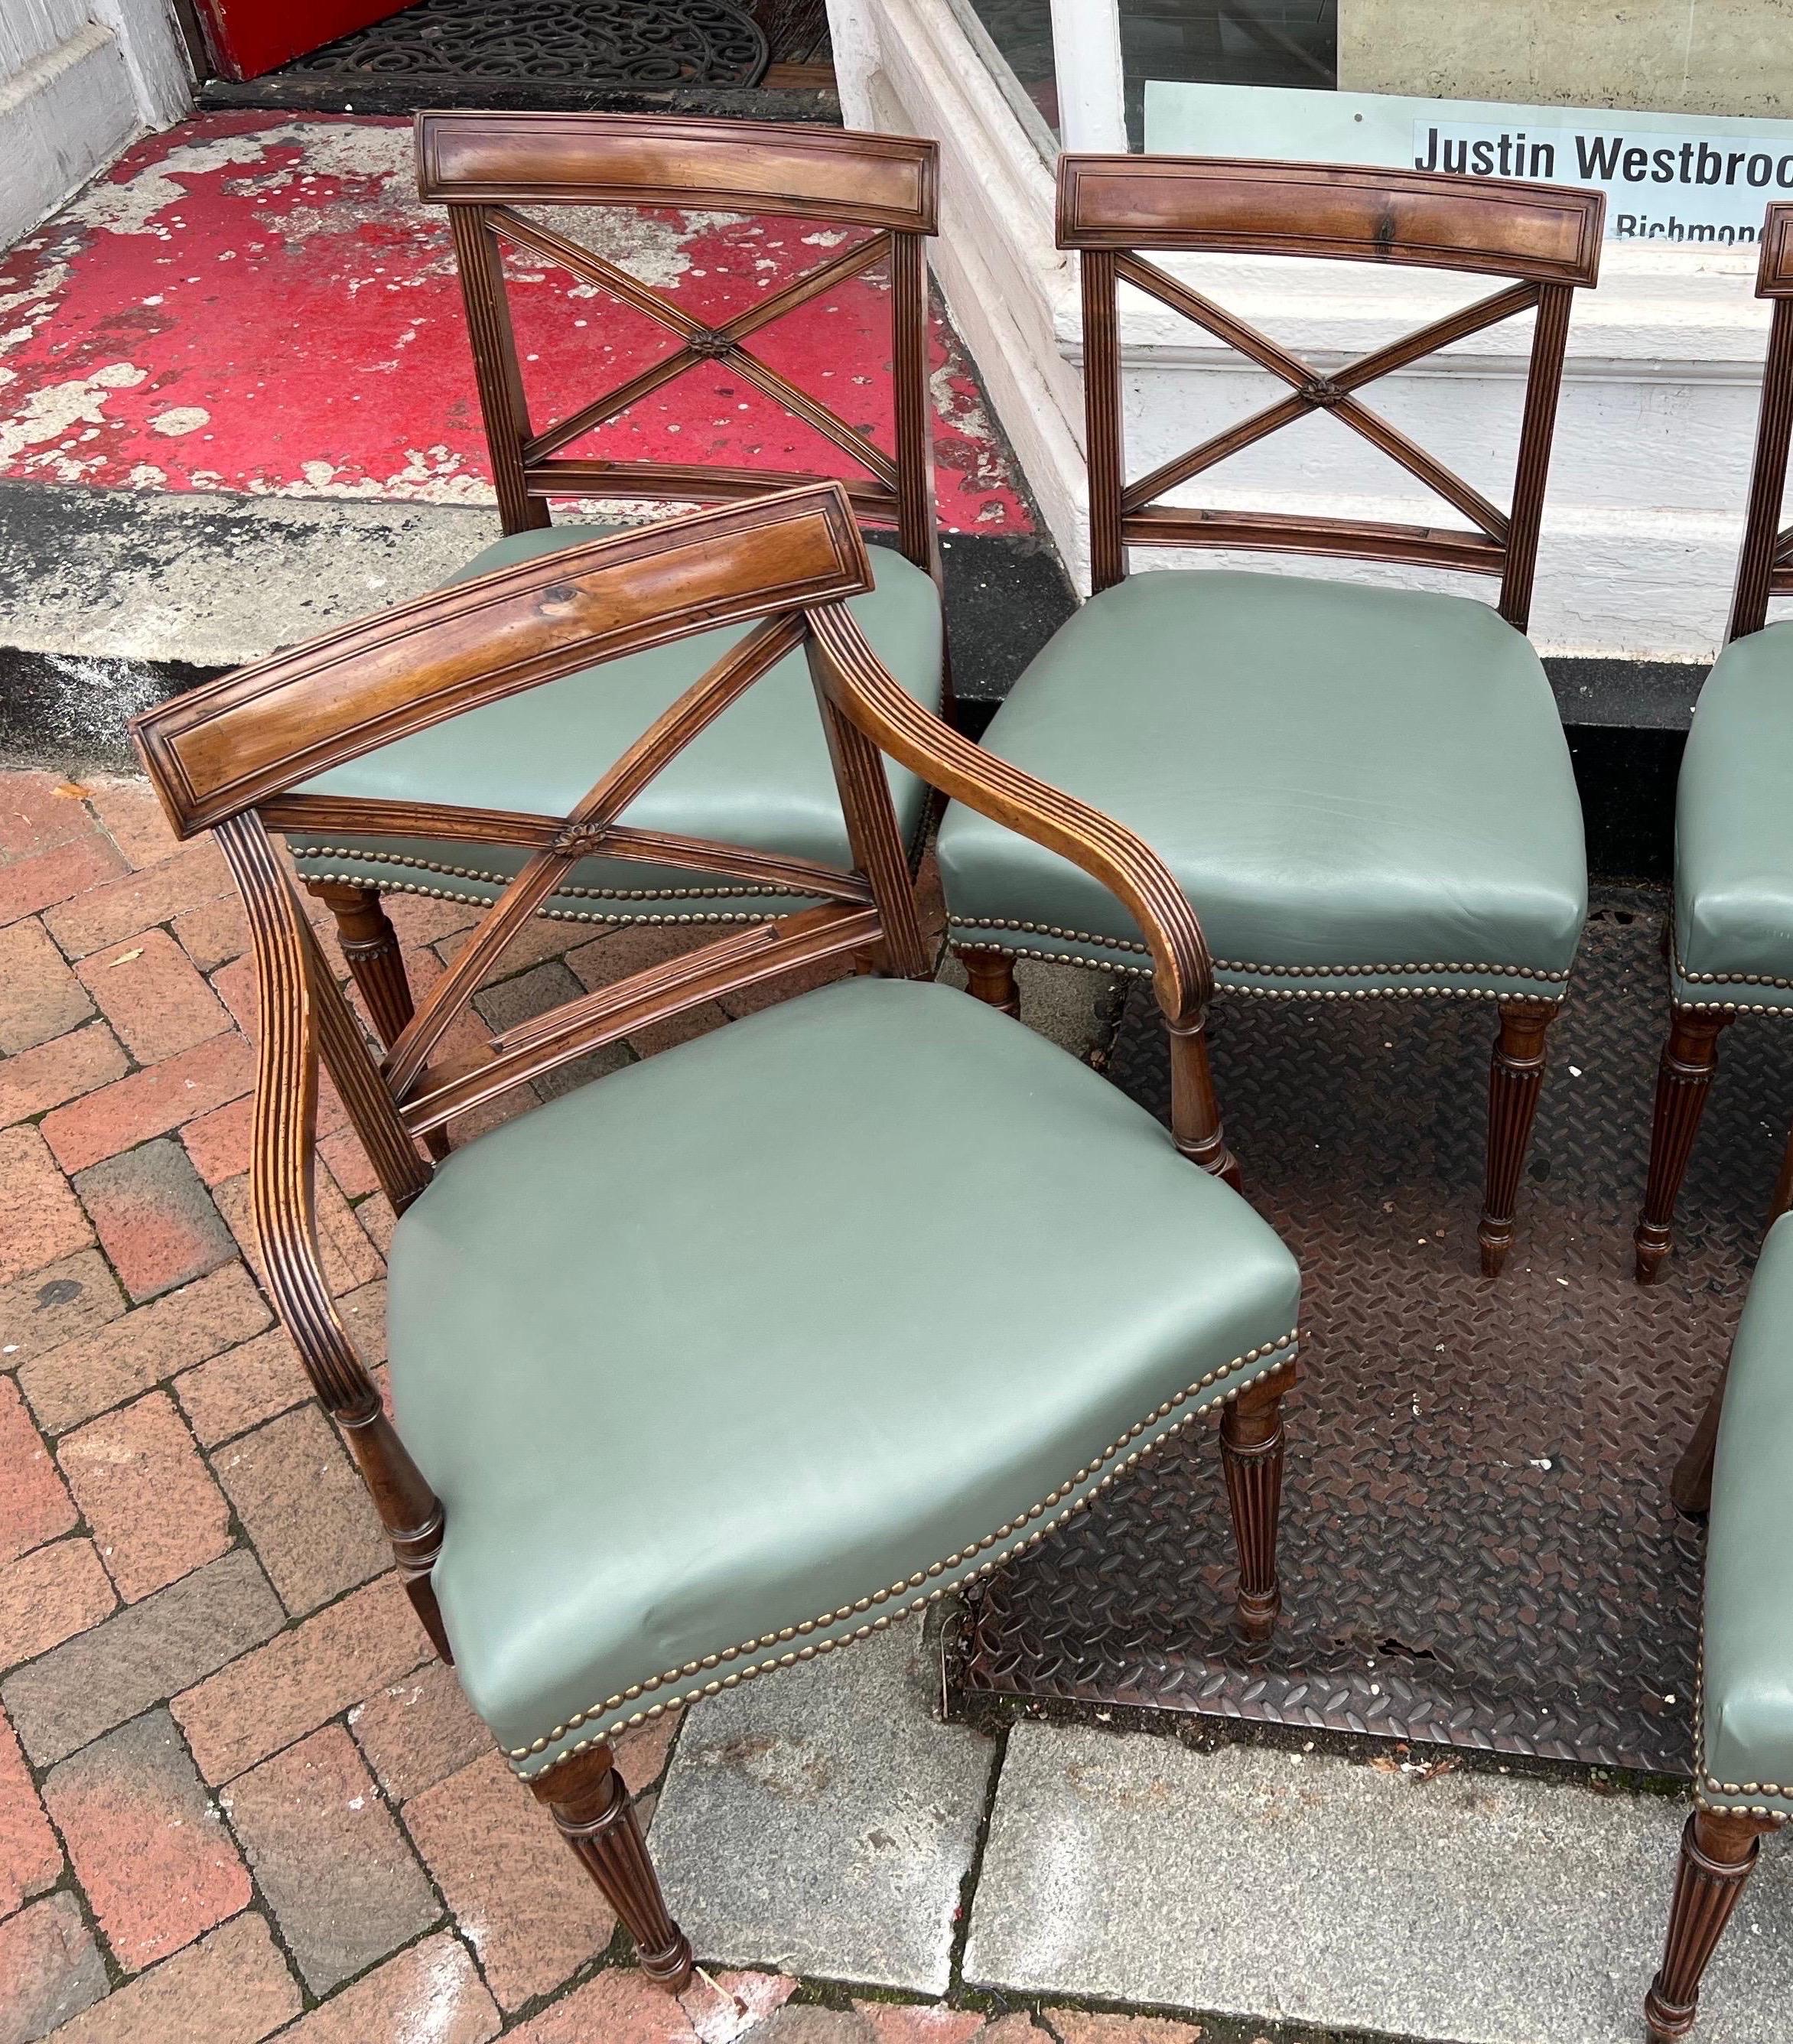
(1478,1545)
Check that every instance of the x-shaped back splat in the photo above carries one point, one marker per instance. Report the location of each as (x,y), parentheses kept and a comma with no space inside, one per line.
(700,343)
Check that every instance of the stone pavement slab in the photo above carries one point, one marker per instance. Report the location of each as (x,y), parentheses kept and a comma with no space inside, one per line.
(822,1819)
(1470,1908)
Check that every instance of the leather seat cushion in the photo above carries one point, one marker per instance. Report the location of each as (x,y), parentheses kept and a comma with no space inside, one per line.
(748,1334)
(759,777)
(1748,1729)
(1734,830)
(1358,788)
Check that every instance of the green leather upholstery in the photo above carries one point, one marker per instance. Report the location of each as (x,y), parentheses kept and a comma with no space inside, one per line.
(1746,1757)
(1360,790)
(738,1351)
(759,777)
(1733,832)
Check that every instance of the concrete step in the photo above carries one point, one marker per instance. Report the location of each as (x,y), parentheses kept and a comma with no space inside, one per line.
(826,1822)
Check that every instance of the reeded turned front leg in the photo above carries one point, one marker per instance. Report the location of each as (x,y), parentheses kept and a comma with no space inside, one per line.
(591,1806)
(991,975)
(370,951)
(1718,1853)
(1515,1079)
(1251,1451)
(1690,1056)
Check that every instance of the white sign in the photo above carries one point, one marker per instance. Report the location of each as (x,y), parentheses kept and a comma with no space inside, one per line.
(1675,178)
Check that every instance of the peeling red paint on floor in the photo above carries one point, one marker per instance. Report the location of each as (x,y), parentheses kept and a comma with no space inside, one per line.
(252,304)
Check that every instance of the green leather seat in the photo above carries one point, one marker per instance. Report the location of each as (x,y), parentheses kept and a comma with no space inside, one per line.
(1360,790)
(1746,1732)
(759,777)
(1733,831)
(743,1349)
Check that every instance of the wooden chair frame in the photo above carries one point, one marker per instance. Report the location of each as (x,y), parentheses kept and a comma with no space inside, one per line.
(482,166)
(1690,1051)
(1545,238)
(226,758)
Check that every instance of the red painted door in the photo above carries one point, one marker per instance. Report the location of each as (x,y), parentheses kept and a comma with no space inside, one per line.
(250,37)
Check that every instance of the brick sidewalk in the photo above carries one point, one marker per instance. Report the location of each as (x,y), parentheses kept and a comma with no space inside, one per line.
(239,1798)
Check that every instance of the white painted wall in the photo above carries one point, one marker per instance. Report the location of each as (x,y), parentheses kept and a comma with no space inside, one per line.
(1654,436)
(79,79)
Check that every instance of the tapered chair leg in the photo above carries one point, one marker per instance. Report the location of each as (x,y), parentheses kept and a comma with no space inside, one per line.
(1515,1079)
(991,975)
(591,1807)
(1718,1853)
(370,950)
(1784,1184)
(1690,1056)
(1691,1486)
(1251,1451)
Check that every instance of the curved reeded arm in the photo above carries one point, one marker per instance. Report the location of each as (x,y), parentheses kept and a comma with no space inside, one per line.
(281,1181)
(856,684)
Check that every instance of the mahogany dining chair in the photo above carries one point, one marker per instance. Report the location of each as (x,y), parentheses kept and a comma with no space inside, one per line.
(694,1374)
(1366,790)
(1730,937)
(762,777)
(1743,1769)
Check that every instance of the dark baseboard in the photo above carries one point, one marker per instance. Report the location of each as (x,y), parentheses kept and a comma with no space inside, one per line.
(323,92)
(1627,724)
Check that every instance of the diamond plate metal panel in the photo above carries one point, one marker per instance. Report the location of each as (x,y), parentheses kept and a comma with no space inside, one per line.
(1478,1545)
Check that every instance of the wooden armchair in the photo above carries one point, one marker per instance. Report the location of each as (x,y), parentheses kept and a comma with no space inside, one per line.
(1367,790)
(693,1375)
(763,777)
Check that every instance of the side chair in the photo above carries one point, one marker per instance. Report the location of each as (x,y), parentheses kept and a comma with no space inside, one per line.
(1730,940)
(1367,790)
(1743,1775)
(762,777)
(694,1374)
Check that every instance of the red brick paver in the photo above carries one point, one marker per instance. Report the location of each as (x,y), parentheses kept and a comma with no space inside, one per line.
(231,1988)
(531,1911)
(61,1069)
(345,1887)
(300,1679)
(623,2007)
(155,1511)
(30,1858)
(152,1853)
(34,1505)
(39,997)
(154,1219)
(52,1968)
(432,1994)
(73,1380)
(40,1218)
(416,1732)
(49,1596)
(148,990)
(303,1504)
(151,1102)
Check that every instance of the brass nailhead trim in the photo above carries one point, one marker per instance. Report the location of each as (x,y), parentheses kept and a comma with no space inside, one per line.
(1704,1781)
(1259,992)
(505,879)
(553,914)
(807,1653)
(1727,978)
(1245,965)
